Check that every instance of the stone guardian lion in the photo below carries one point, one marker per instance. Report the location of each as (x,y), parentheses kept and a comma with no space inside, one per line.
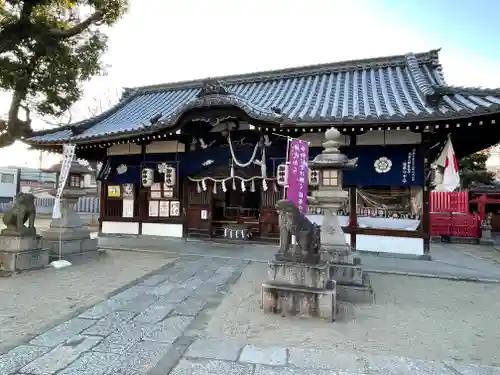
(22,210)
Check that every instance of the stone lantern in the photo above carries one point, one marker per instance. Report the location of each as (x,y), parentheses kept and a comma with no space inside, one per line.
(69,235)
(330,196)
(352,283)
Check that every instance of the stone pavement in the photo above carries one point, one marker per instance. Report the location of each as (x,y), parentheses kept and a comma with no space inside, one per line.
(156,327)
(130,332)
(206,357)
(450,261)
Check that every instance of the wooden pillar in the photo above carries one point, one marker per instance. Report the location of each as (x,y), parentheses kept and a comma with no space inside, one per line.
(425,219)
(102,202)
(353,217)
(137,199)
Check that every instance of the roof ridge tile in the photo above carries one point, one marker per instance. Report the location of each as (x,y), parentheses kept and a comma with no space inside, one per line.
(276,74)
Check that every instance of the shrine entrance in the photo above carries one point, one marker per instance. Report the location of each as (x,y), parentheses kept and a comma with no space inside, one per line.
(223,208)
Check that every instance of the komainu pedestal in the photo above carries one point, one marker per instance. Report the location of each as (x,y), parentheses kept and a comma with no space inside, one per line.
(20,247)
(21,254)
(298,283)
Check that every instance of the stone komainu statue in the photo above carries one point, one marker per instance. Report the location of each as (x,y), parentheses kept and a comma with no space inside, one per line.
(23,209)
(307,234)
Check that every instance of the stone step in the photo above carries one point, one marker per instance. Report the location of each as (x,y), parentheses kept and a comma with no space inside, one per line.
(70,247)
(355,294)
(346,274)
(285,299)
(340,257)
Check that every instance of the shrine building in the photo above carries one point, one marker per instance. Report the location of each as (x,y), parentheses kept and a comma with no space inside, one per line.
(206,158)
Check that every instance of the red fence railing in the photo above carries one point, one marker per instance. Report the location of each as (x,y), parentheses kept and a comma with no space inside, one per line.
(450,215)
(449,202)
(455,225)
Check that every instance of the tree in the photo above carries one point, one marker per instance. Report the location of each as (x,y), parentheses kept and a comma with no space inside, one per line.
(473,169)
(48,48)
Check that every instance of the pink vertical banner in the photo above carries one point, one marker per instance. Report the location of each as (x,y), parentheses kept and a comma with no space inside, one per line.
(298,180)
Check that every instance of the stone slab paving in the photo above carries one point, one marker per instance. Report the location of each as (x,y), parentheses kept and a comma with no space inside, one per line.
(151,323)
(157,327)
(208,357)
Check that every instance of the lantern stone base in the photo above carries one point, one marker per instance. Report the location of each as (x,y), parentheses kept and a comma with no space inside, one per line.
(70,248)
(353,284)
(68,236)
(296,300)
(21,254)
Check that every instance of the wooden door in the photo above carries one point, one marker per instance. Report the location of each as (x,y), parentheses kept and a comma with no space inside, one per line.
(268,216)
(198,211)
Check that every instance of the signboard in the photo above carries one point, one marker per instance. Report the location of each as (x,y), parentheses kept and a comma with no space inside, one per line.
(392,165)
(298,175)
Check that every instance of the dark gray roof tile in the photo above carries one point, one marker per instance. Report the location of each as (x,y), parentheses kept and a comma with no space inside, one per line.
(391,88)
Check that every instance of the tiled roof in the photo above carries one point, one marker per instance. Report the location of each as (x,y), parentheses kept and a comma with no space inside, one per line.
(396,88)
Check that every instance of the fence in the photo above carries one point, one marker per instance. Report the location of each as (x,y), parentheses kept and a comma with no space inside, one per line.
(89,205)
(449,202)
(450,215)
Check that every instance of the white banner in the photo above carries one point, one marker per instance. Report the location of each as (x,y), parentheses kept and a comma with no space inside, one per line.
(68,155)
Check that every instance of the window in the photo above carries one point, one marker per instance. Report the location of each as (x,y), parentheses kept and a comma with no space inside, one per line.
(76,181)
(7,178)
(330,178)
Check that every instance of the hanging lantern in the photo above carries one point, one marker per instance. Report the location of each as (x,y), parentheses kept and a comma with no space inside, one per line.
(282,174)
(313,177)
(214,189)
(198,187)
(252,186)
(170,176)
(147,177)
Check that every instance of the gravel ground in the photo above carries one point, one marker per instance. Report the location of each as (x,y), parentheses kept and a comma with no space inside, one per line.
(414,317)
(33,300)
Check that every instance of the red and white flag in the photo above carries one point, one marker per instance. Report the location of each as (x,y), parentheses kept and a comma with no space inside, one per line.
(448,160)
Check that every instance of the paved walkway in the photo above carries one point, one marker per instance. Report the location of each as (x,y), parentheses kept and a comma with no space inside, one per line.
(156,327)
(462,262)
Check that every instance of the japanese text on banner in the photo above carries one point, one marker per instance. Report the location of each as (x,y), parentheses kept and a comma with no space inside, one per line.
(408,168)
(298,174)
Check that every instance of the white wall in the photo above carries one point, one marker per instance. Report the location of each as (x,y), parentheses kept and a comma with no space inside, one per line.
(8,190)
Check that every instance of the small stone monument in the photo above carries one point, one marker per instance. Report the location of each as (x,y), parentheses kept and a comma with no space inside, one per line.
(69,236)
(486,238)
(352,283)
(20,247)
(298,280)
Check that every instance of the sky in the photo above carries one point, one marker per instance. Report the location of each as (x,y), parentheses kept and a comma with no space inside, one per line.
(161,41)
